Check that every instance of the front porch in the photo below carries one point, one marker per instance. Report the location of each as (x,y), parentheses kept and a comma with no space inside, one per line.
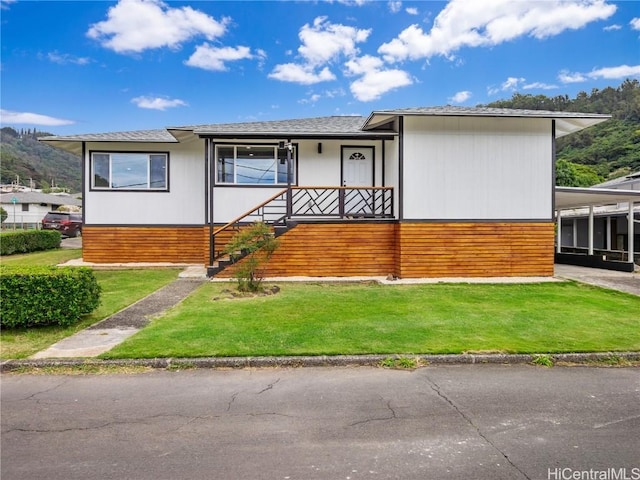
(294,205)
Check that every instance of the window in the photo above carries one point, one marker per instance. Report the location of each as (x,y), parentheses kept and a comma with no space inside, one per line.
(129,171)
(252,164)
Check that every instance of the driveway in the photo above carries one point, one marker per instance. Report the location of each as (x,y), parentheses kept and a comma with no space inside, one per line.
(71,242)
(622,281)
(444,422)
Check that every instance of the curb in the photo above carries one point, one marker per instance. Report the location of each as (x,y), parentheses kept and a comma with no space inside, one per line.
(324,360)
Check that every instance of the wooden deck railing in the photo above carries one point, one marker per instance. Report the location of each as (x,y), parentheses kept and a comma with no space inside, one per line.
(312,202)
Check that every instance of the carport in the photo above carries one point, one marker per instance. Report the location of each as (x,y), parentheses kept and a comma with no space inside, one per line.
(579,203)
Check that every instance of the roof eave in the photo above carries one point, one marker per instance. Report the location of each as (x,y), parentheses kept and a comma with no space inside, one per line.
(365,135)
(577,197)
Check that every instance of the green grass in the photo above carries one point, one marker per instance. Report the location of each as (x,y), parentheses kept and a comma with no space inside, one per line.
(331,319)
(48,257)
(120,288)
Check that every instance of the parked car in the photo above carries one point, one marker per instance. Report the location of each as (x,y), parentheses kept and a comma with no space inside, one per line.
(67,223)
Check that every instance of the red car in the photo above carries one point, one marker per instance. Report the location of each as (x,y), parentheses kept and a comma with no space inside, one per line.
(68,224)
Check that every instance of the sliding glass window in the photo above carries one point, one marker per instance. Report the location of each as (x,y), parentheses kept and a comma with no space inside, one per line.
(252,165)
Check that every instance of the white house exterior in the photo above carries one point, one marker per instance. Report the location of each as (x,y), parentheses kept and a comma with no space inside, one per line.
(419,192)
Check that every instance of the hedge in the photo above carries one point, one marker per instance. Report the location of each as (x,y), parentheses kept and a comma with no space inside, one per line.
(38,296)
(26,241)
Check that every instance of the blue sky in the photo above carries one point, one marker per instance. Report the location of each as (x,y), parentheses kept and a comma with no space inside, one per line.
(95,66)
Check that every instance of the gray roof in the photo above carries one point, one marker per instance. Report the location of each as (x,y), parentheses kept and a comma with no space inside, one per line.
(621,182)
(487,112)
(311,127)
(566,122)
(39,197)
(375,126)
(161,135)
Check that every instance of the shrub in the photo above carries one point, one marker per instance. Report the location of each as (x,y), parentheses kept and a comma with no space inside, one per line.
(26,241)
(257,244)
(3,215)
(37,296)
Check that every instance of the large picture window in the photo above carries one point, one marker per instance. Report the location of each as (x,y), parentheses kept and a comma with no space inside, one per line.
(129,171)
(253,164)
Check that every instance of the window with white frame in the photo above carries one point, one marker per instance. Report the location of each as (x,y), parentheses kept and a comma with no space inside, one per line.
(129,171)
(253,165)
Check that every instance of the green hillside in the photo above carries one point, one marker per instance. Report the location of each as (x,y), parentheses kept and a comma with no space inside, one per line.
(22,155)
(603,152)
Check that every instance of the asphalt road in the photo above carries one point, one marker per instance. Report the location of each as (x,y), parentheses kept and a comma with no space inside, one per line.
(445,422)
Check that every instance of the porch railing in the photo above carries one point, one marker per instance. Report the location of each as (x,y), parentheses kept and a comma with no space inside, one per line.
(312,203)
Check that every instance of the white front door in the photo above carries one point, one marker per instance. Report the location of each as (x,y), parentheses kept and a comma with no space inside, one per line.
(357,172)
(357,166)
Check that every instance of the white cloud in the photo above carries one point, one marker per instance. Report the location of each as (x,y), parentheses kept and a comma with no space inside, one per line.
(609,73)
(612,73)
(635,23)
(460,97)
(305,75)
(411,10)
(157,103)
(511,84)
(375,80)
(565,76)
(539,86)
(323,41)
(395,6)
(137,25)
(65,59)
(4,4)
(613,27)
(481,24)
(212,58)
(28,118)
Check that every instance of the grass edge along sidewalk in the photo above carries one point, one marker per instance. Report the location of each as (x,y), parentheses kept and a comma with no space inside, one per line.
(318,319)
(399,362)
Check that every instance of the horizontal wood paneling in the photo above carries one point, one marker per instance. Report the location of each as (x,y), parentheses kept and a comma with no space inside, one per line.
(475,249)
(414,250)
(333,250)
(145,244)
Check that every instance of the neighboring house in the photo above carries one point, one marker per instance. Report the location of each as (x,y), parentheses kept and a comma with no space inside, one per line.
(26,209)
(421,192)
(610,228)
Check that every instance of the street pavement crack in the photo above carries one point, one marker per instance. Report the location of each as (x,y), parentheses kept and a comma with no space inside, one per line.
(268,387)
(378,419)
(103,425)
(233,399)
(436,388)
(33,395)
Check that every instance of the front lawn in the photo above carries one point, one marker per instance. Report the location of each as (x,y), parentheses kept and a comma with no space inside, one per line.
(48,257)
(120,288)
(333,319)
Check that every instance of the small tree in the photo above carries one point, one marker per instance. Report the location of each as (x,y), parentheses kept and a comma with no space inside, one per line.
(3,215)
(254,245)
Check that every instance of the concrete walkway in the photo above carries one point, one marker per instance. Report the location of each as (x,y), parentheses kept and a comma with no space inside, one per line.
(111,331)
(108,333)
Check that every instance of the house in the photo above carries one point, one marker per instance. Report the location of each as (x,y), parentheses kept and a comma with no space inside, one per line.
(601,230)
(26,209)
(419,192)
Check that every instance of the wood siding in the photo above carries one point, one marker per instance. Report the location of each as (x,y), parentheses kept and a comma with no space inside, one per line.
(172,244)
(414,250)
(333,250)
(475,249)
